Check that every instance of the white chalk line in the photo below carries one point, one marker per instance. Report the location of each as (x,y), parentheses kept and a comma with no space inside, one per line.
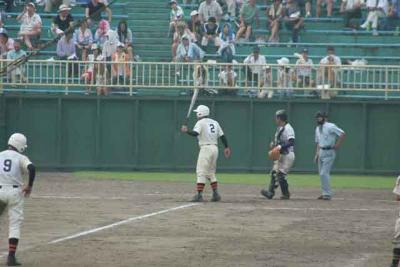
(109,226)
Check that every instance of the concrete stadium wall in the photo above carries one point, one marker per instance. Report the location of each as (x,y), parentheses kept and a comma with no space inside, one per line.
(123,133)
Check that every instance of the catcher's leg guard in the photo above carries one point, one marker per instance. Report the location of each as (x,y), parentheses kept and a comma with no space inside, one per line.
(284,185)
(271,188)
(396,257)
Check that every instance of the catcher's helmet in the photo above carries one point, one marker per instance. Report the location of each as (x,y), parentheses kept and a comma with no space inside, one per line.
(321,114)
(282,115)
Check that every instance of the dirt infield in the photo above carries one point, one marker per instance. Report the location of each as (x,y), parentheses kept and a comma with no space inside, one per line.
(244,229)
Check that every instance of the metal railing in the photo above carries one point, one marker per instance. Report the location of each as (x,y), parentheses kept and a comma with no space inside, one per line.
(259,80)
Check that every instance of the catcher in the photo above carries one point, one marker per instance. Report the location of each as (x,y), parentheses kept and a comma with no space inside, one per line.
(282,153)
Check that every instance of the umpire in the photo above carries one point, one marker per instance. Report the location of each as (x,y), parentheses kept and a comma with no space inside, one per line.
(328,138)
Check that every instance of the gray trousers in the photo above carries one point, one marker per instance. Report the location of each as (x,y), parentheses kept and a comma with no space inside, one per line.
(325,164)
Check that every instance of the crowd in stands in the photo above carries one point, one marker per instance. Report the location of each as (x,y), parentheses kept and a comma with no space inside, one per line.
(92,39)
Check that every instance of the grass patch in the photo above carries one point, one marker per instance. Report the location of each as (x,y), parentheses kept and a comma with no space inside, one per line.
(297,180)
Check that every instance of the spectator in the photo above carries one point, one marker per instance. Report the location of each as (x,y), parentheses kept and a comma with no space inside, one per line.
(285,78)
(303,70)
(175,15)
(227,40)
(329,7)
(16,73)
(88,74)
(31,26)
(62,21)
(120,67)
(110,46)
(125,36)
(94,10)
(231,7)
(6,43)
(210,33)
(306,6)
(83,39)
(376,9)
(393,18)
(227,78)
(210,8)
(188,51)
(328,73)
(248,14)
(49,4)
(180,31)
(9,5)
(100,36)
(66,50)
(275,15)
(101,73)
(256,67)
(293,19)
(195,27)
(350,9)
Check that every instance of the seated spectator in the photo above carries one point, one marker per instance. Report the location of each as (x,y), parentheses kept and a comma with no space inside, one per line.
(210,33)
(62,21)
(248,15)
(351,9)
(120,67)
(293,19)
(31,26)
(66,50)
(392,21)
(9,5)
(227,43)
(329,7)
(256,67)
(285,78)
(100,36)
(110,46)
(210,8)
(6,43)
(231,7)
(195,27)
(92,11)
(50,4)
(227,78)
(305,6)
(101,76)
(303,70)
(328,72)
(180,31)
(200,77)
(188,51)
(83,39)
(125,36)
(175,16)
(88,74)
(16,73)
(376,9)
(275,15)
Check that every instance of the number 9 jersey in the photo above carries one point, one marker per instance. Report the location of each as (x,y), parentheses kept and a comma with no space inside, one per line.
(209,131)
(13,166)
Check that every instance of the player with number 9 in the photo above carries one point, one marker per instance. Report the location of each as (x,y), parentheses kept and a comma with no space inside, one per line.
(207,131)
(13,165)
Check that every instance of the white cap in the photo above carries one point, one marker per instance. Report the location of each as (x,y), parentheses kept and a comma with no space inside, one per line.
(18,141)
(64,7)
(202,111)
(283,61)
(194,13)
(100,58)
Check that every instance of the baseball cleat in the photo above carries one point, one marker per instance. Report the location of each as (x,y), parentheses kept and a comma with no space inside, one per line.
(12,261)
(324,197)
(285,197)
(267,194)
(197,198)
(216,197)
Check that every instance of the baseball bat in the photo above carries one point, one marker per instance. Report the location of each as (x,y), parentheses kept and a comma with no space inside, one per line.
(192,102)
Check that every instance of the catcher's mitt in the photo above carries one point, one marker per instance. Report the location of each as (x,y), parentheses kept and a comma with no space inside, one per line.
(275,153)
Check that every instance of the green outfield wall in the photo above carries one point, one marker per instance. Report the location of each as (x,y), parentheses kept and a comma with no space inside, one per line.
(123,133)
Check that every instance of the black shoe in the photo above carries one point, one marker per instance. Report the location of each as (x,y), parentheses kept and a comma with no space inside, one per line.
(322,197)
(198,198)
(216,197)
(12,261)
(267,194)
(285,197)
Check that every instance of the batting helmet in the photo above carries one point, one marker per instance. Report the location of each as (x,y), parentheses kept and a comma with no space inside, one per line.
(18,141)
(321,114)
(282,115)
(202,111)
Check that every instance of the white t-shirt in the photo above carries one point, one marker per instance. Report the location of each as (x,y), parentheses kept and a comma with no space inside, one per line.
(209,131)
(223,75)
(256,66)
(12,167)
(28,23)
(336,60)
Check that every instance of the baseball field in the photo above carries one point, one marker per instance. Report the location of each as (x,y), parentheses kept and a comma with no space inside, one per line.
(146,219)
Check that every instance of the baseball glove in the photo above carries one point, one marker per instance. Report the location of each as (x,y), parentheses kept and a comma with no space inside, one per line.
(275,153)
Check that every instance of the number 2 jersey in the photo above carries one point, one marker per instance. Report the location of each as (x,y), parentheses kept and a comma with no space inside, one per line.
(209,131)
(13,166)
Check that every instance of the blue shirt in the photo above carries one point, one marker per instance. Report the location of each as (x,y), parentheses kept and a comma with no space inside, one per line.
(15,55)
(327,134)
